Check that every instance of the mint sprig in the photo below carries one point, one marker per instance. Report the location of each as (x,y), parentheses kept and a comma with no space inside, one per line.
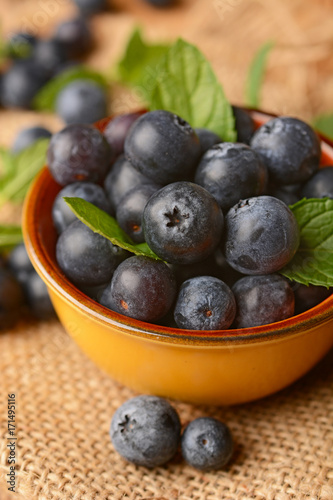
(10,236)
(256,74)
(19,170)
(104,224)
(187,86)
(313,262)
(138,66)
(46,98)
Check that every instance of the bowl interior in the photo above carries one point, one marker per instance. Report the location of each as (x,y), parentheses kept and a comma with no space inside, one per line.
(40,238)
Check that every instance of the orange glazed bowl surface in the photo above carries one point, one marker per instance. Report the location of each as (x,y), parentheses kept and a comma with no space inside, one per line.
(217,367)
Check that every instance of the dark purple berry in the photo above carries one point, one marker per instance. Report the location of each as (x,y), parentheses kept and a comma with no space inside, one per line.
(207,139)
(163,147)
(231,172)
(28,136)
(142,288)
(244,124)
(207,444)
(262,235)
(309,296)
(320,185)
(262,300)
(117,130)
(289,148)
(182,223)
(205,303)
(78,153)
(74,36)
(145,430)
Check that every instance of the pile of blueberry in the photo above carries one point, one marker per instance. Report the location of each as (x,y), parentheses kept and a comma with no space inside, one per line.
(146,431)
(211,211)
(21,290)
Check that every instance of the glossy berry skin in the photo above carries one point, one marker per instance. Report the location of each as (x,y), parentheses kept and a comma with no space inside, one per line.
(20,264)
(262,300)
(142,288)
(207,444)
(130,210)
(28,136)
(78,153)
(90,7)
(231,172)
(81,101)
(63,216)
(50,55)
(117,129)
(289,148)
(289,194)
(121,179)
(207,139)
(145,430)
(205,303)
(262,235)
(85,257)
(163,147)
(37,297)
(320,185)
(21,82)
(182,223)
(244,124)
(74,36)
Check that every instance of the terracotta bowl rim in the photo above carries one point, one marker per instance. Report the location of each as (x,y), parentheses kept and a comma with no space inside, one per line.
(57,281)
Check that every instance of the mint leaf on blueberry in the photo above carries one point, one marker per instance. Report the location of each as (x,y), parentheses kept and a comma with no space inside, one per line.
(187,86)
(312,264)
(104,224)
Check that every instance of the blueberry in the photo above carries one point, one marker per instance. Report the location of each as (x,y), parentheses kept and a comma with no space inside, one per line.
(130,210)
(74,36)
(262,300)
(21,82)
(307,297)
(63,216)
(244,124)
(205,303)
(28,136)
(320,185)
(21,44)
(161,3)
(117,130)
(19,263)
(207,444)
(145,430)
(262,235)
(81,101)
(289,148)
(121,179)
(289,194)
(78,153)
(231,172)
(207,139)
(37,297)
(85,257)
(90,7)
(142,288)
(163,147)
(50,55)
(182,223)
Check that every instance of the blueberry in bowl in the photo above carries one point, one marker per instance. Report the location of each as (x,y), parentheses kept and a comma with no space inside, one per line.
(217,366)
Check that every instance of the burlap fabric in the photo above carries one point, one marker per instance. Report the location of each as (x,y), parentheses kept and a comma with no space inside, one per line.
(64,404)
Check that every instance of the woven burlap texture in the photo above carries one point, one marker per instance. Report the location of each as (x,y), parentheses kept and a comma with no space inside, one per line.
(64,404)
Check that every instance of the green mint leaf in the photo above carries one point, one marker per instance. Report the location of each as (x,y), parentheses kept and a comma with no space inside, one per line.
(102,223)
(46,98)
(139,65)
(7,162)
(324,124)
(10,236)
(187,86)
(256,74)
(313,262)
(21,170)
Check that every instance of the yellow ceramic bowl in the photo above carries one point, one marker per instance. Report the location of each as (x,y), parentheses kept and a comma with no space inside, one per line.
(218,367)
